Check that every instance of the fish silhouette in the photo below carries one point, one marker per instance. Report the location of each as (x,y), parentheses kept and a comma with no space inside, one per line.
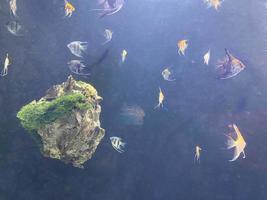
(109,7)
(229,67)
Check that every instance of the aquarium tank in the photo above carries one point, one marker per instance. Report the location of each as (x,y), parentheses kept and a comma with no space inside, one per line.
(133,100)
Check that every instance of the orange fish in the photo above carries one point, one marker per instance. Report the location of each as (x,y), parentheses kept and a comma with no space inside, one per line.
(182,46)
(69,9)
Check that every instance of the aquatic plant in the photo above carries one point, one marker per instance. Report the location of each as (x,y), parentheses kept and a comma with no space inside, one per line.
(37,114)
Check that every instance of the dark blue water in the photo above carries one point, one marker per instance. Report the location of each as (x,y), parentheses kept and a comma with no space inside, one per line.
(158,162)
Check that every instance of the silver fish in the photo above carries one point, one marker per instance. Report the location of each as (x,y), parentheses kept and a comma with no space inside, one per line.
(108,35)
(229,67)
(15,28)
(117,144)
(206,57)
(124,54)
(77,48)
(166,74)
(77,67)
(4,72)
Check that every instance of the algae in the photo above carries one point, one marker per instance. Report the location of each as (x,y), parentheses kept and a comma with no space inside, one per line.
(37,114)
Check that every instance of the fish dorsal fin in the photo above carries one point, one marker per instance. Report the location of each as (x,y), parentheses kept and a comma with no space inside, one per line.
(230,57)
(238,133)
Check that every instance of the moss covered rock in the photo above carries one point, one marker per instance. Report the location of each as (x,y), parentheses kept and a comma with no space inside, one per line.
(67,121)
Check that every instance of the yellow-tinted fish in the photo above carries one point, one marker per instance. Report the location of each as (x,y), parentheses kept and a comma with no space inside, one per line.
(161,99)
(69,9)
(182,46)
(13,7)
(123,55)
(214,3)
(239,144)
(197,154)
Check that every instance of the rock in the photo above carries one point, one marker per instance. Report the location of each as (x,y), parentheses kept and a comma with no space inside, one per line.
(67,121)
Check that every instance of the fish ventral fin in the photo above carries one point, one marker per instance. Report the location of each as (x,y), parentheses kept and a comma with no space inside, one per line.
(230,142)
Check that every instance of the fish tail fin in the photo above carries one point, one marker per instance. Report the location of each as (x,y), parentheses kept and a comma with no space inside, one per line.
(195,158)
(83,46)
(123,144)
(3,73)
(157,106)
(230,142)
(236,155)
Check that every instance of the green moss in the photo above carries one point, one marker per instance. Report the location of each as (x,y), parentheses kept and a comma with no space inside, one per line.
(37,114)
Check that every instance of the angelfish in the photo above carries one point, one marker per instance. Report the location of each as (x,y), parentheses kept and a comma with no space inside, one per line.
(13,7)
(77,48)
(117,144)
(69,9)
(6,64)
(214,3)
(166,74)
(108,35)
(229,67)
(161,99)
(182,46)
(206,57)
(197,154)
(124,54)
(239,144)
(15,28)
(78,67)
